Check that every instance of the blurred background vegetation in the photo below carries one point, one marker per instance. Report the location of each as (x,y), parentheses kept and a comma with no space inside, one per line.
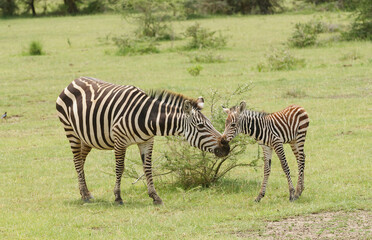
(154,14)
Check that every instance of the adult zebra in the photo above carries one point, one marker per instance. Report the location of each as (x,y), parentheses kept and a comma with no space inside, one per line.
(271,131)
(97,114)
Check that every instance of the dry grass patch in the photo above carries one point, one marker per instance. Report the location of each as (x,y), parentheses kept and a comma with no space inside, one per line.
(326,225)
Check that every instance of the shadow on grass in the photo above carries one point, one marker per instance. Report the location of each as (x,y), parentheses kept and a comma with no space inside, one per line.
(103,203)
(225,185)
(237,186)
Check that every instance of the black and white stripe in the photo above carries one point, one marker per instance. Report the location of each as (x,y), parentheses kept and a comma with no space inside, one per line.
(271,131)
(101,115)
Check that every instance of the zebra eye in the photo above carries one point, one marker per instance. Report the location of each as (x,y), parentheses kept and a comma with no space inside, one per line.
(233,124)
(200,125)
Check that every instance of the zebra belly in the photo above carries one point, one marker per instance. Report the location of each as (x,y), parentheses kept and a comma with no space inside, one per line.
(93,136)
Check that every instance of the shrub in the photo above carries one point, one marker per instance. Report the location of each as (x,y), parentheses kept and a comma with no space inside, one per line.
(280,59)
(130,46)
(254,6)
(361,28)
(35,48)
(205,57)
(196,8)
(305,34)
(8,7)
(152,18)
(203,38)
(195,70)
(95,6)
(191,167)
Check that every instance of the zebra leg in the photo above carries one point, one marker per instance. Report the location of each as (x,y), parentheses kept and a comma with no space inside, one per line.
(76,147)
(146,153)
(267,151)
(280,152)
(120,150)
(85,149)
(298,150)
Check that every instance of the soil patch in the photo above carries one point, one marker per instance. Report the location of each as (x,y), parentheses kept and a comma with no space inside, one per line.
(327,225)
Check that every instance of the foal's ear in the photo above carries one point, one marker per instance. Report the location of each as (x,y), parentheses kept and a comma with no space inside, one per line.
(200,102)
(243,106)
(226,110)
(187,106)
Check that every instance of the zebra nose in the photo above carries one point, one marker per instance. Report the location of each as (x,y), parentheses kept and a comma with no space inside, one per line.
(224,141)
(222,151)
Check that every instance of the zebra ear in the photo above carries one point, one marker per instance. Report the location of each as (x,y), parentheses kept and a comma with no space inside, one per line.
(200,102)
(226,110)
(187,107)
(242,107)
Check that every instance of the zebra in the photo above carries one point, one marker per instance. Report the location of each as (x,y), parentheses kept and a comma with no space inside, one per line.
(101,115)
(271,131)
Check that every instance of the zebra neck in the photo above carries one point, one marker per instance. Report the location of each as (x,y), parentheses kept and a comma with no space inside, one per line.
(167,121)
(253,123)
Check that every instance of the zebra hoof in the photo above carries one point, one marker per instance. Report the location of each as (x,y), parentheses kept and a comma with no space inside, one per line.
(119,201)
(257,200)
(158,202)
(296,196)
(87,199)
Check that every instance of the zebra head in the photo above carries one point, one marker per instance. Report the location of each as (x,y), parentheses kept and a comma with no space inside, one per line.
(199,131)
(232,124)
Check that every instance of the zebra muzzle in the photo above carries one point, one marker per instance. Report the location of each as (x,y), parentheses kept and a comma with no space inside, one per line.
(222,151)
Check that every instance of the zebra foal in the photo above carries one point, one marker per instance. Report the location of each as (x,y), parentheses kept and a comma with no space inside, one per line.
(97,114)
(271,131)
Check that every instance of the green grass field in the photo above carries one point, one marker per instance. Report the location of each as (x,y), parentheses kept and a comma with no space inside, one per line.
(39,196)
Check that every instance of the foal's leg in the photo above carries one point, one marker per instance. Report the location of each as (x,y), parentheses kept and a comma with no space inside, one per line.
(298,150)
(267,152)
(280,152)
(146,153)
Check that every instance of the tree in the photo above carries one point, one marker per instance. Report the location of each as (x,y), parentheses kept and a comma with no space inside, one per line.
(71,6)
(8,7)
(30,4)
(361,28)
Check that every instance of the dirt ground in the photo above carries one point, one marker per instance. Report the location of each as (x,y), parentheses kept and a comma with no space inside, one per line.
(327,225)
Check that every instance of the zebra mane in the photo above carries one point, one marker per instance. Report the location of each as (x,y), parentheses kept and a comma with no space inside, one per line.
(251,112)
(257,113)
(169,96)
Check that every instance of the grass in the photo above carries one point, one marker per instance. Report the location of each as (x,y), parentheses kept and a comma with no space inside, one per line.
(39,197)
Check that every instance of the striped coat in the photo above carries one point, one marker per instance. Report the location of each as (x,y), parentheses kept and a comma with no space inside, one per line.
(271,131)
(101,115)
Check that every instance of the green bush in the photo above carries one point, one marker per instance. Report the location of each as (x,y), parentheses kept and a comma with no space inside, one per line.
(8,7)
(191,167)
(152,18)
(197,8)
(130,46)
(280,59)
(35,48)
(95,6)
(205,57)
(254,6)
(203,38)
(195,70)
(361,28)
(305,34)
